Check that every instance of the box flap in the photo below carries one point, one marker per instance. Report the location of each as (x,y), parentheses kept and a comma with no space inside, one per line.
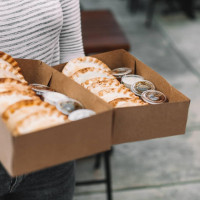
(35,71)
(65,85)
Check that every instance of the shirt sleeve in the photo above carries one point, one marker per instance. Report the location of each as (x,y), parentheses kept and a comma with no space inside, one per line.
(71,43)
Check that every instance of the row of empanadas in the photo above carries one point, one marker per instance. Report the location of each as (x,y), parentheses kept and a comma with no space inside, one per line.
(98,79)
(17,106)
(21,109)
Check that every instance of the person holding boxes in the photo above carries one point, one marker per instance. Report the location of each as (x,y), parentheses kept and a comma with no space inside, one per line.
(49,31)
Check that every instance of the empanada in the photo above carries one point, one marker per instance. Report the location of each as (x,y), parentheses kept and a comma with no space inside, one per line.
(99,81)
(84,62)
(8,60)
(126,102)
(7,84)
(38,121)
(96,87)
(114,93)
(22,109)
(10,72)
(11,97)
(85,74)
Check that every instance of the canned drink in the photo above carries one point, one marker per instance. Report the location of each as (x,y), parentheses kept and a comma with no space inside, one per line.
(153,97)
(141,86)
(129,80)
(68,106)
(119,72)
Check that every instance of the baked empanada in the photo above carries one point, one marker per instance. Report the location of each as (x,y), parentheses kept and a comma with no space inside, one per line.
(10,72)
(100,80)
(22,109)
(38,121)
(115,93)
(85,74)
(84,62)
(11,97)
(96,87)
(7,84)
(126,102)
(8,60)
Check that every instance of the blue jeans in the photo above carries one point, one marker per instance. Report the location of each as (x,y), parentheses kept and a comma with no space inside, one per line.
(55,183)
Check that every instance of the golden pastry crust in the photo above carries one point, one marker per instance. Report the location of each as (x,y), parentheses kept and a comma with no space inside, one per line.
(11,92)
(10,72)
(83,62)
(126,102)
(123,90)
(38,121)
(100,81)
(114,93)
(95,87)
(25,103)
(10,97)
(22,109)
(8,59)
(85,74)
(11,80)
(7,84)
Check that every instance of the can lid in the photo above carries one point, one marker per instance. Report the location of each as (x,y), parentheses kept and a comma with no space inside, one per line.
(119,72)
(140,86)
(131,78)
(153,97)
(54,97)
(68,106)
(39,88)
(80,114)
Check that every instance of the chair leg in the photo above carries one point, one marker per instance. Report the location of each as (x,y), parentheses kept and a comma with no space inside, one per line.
(150,13)
(108,175)
(97,162)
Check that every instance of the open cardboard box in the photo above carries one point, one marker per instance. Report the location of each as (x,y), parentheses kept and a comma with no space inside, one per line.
(59,144)
(151,121)
(85,137)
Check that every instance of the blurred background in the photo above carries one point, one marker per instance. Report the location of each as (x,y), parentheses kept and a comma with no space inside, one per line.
(165,35)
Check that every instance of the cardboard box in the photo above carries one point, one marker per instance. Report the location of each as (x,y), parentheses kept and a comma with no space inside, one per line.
(151,121)
(56,145)
(88,136)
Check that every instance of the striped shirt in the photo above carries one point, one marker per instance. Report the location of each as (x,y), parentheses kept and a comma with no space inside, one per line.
(47,30)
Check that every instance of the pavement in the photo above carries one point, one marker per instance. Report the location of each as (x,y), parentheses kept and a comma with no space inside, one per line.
(165,168)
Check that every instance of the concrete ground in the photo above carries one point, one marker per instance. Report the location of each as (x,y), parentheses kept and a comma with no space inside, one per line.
(159,169)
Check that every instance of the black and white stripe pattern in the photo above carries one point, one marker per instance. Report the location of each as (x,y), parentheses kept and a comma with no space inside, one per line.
(47,30)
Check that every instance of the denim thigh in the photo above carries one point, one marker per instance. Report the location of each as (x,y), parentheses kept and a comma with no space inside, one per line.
(52,183)
(5,181)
